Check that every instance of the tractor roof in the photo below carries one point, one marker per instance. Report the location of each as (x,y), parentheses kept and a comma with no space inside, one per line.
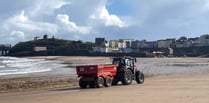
(125,57)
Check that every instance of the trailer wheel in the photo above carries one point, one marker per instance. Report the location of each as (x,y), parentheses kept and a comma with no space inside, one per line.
(82,83)
(99,82)
(139,77)
(108,81)
(127,77)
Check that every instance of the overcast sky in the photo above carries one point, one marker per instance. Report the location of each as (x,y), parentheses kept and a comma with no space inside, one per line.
(22,20)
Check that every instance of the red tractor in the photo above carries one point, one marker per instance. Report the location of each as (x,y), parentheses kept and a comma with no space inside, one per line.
(122,69)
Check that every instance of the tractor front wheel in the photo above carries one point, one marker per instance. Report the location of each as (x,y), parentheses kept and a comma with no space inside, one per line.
(139,77)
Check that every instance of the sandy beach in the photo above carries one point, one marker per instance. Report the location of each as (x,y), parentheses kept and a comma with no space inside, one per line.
(169,85)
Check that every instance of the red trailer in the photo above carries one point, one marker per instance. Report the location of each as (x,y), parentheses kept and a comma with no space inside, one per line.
(122,69)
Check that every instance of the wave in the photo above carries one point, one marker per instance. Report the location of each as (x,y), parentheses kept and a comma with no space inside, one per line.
(2,66)
(23,72)
(13,65)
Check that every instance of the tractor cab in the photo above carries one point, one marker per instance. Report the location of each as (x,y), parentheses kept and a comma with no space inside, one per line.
(125,63)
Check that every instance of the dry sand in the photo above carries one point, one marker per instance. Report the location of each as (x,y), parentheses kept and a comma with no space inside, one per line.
(163,89)
(174,88)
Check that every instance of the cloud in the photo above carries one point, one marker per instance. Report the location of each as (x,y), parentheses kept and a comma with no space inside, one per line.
(22,22)
(205,7)
(62,18)
(70,26)
(108,19)
(17,35)
(20,28)
(13,37)
(47,7)
(85,20)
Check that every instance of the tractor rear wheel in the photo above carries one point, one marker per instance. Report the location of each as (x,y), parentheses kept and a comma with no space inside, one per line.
(127,77)
(108,81)
(82,83)
(139,77)
(99,82)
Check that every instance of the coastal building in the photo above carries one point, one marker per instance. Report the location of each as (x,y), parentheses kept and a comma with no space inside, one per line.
(204,40)
(4,49)
(45,37)
(193,42)
(138,44)
(100,41)
(125,43)
(134,44)
(196,42)
(180,44)
(115,50)
(130,45)
(127,50)
(165,43)
(39,49)
(150,44)
(101,49)
(190,42)
(113,43)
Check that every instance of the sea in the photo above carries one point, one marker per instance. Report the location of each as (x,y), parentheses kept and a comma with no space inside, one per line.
(18,67)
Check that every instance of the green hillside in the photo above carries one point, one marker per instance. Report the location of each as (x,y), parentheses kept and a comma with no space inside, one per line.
(54,47)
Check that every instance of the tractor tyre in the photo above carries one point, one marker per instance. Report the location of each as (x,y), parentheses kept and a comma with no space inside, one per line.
(139,77)
(92,84)
(108,81)
(82,83)
(99,82)
(127,77)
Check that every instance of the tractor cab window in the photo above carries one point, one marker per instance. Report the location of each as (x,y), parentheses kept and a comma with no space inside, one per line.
(119,62)
(129,62)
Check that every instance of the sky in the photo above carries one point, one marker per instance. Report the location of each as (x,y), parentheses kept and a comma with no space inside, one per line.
(22,20)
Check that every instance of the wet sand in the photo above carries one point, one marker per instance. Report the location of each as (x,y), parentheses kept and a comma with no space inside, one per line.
(26,84)
(167,87)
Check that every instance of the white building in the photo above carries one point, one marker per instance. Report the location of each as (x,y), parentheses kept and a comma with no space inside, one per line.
(125,43)
(102,49)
